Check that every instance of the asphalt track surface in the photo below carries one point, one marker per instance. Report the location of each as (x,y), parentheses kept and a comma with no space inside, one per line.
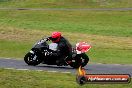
(90,68)
(71,9)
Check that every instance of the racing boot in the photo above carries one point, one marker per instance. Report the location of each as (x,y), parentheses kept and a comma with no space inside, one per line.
(60,62)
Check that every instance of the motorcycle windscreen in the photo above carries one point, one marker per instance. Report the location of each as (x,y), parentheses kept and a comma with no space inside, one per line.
(53,46)
(83,47)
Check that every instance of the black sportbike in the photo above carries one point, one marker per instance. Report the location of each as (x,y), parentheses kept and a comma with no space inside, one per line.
(41,51)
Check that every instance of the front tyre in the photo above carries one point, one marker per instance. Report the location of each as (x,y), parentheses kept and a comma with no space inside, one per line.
(32,59)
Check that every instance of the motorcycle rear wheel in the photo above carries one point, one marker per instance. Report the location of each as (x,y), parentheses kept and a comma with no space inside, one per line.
(80,60)
(85,59)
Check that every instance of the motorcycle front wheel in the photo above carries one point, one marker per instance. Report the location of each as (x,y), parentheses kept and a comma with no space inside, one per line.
(32,59)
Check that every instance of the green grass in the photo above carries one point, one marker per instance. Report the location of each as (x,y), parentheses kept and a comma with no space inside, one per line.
(110,56)
(36,79)
(13,49)
(66,3)
(113,23)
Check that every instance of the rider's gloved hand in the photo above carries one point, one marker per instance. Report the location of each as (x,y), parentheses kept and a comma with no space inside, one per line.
(48,38)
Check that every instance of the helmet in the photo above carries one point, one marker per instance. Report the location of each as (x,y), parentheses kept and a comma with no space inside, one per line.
(56,36)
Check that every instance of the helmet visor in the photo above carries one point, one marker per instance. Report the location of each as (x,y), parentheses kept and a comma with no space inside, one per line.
(54,39)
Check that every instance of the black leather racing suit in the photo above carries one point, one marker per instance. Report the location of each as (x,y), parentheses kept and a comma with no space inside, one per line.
(64,49)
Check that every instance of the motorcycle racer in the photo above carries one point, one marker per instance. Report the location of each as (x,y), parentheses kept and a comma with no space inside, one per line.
(59,52)
(64,47)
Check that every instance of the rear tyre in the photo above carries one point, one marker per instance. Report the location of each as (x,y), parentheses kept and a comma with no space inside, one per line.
(85,60)
(80,60)
(76,62)
(32,59)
